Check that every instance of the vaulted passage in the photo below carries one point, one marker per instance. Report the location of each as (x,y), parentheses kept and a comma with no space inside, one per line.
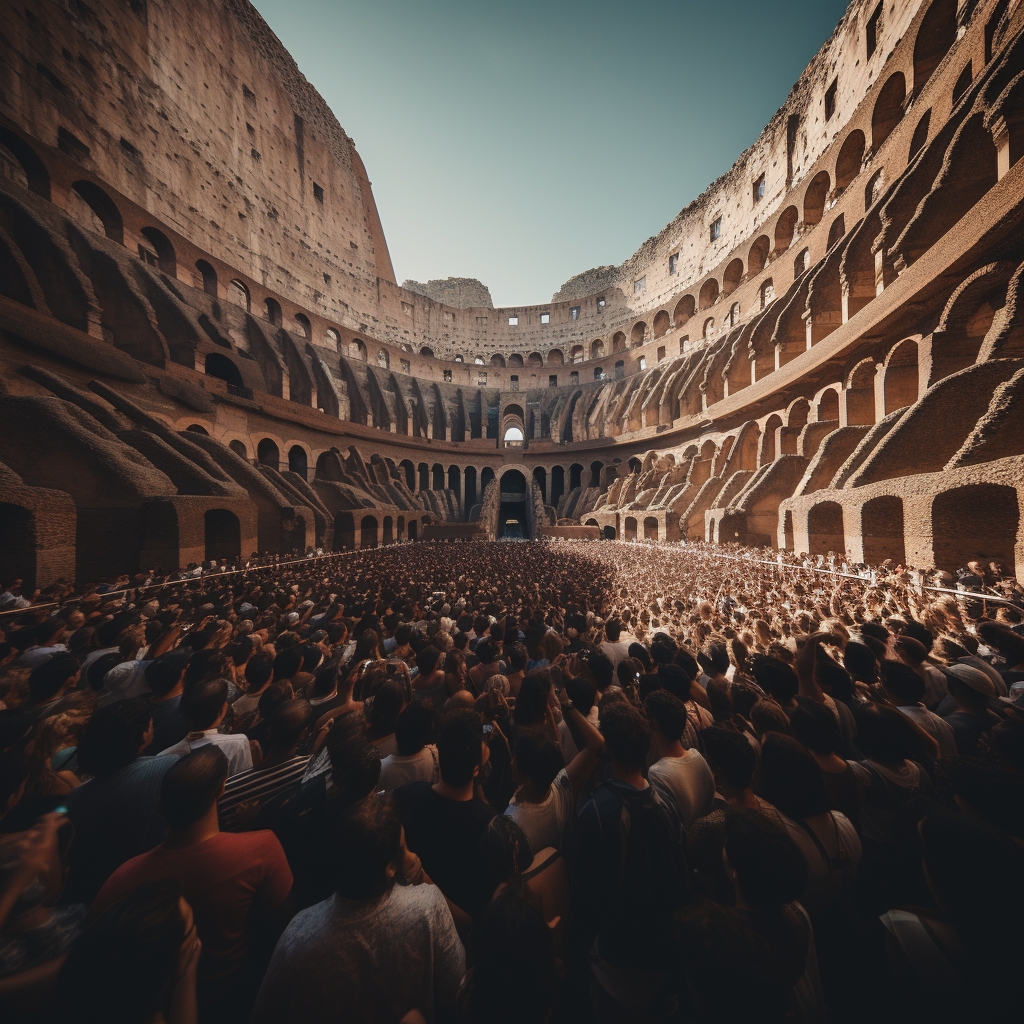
(512,522)
(223,534)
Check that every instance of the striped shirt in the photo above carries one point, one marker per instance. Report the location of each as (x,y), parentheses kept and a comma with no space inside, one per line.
(259,784)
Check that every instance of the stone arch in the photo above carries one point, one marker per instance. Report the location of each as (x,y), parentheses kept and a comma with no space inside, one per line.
(629,528)
(618,341)
(515,359)
(455,481)
(785,228)
(332,339)
(935,38)
(734,314)
(650,528)
(470,498)
(437,477)
(577,354)
(837,232)
(608,533)
(825,529)
(882,530)
(413,529)
(575,476)
(357,349)
(37,177)
(424,474)
(268,454)
(272,311)
(685,308)
(557,485)
(198,428)
(662,324)
(637,334)
(802,262)
(767,293)
(13,280)
(733,276)
(828,406)
(368,532)
(555,357)
(540,478)
(223,368)
(757,258)
(920,134)
(851,156)
(535,359)
(595,473)
(388,533)
(708,328)
(239,448)
(304,326)
(209,277)
(104,208)
(597,348)
(222,535)
(976,522)
(873,189)
(298,460)
(409,473)
(497,359)
(166,259)
(815,196)
(798,413)
(900,376)
(239,295)
(708,293)
(427,351)
(860,394)
(787,531)
(888,111)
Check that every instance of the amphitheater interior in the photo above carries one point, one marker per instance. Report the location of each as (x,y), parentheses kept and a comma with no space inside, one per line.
(204,350)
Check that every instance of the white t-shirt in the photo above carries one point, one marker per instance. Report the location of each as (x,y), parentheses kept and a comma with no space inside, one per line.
(396,770)
(545,823)
(686,783)
(616,652)
(234,745)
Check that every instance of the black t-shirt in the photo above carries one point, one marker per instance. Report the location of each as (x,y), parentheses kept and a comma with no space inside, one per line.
(446,835)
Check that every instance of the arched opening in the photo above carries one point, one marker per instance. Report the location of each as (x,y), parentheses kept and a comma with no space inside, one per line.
(344,531)
(596,348)
(882,530)
(709,327)
(413,529)
(637,334)
(608,533)
(618,341)
(223,368)
(37,178)
(409,473)
(267,454)
(825,529)
(303,326)
(757,258)
(535,359)
(486,477)
(208,276)
(801,263)
(454,481)
(555,357)
(388,533)
(837,231)
(734,314)
(901,377)
(733,276)
(383,359)
(222,535)
(920,135)
(297,460)
(17,552)
(814,197)
(769,440)
(424,471)
(828,406)
(512,522)
(661,324)
(650,528)
(860,394)
(238,447)
(787,531)
(429,353)
(888,110)
(272,312)
(785,227)
(629,528)
(162,250)
(239,295)
(557,485)
(963,83)
(497,359)
(368,532)
(708,293)
(540,478)
(104,208)
(595,473)
(635,465)
(575,476)
(767,293)
(357,349)
(471,496)
(332,340)
(437,477)
(515,359)
(935,38)
(198,428)
(513,436)
(851,156)
(872,193)
(685,308)
(977,522)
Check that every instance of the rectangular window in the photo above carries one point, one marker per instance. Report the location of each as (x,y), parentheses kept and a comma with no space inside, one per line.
(598,373)
(407,308)
(661,353)
(640,285)
(574,377)
(574,313)
(643,363)
(147,256)
(830,99)
(545,318)
(513,321)
(447,376)
(448,317)
(759,189)
(318,192)
(406,366)
(874,23)
(716,229)
(481,323)
(513,383)
(553,381)
(481,378)
(673,263)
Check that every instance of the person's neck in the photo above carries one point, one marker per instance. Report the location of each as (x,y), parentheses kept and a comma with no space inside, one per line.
(198,832)
(529,794)
(829,762)
(631,776)
(459,794)
(668,748)
(176,692)
(969,709)
(744,799)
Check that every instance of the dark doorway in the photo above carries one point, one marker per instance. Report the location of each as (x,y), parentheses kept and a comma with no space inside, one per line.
(344,532)
(512,521)
(223,534)
(368,532)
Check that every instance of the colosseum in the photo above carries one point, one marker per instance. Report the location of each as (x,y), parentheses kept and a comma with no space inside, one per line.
(205,351)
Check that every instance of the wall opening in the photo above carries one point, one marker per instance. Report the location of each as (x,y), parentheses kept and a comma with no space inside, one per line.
(222,535)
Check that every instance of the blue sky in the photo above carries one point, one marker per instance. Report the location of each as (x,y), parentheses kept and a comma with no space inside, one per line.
(522,143)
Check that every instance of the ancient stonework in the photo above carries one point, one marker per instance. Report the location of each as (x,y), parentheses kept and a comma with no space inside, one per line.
(204,350)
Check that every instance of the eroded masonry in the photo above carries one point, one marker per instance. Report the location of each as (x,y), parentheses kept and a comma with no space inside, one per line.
(204,351)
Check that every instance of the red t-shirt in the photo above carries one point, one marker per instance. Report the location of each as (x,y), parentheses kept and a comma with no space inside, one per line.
(223,879)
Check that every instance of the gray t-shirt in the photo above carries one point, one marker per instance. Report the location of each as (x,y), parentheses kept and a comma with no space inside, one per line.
(346,961)
(545,823)
(685,783)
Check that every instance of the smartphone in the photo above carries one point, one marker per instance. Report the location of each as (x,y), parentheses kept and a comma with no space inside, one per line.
(63,809)
(488,731)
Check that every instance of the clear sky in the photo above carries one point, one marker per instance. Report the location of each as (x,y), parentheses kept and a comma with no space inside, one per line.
(523,142)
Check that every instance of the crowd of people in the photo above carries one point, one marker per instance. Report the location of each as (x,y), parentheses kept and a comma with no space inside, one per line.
(514,782)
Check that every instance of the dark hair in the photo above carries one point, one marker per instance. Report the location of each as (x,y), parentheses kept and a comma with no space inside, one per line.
(626,734)
(770,869)
(601,668)
(368,842)
(46,679)
(123,966)
(485,652)
(202,703)
(459,746)
(287,663)
(427,659)
(192,784)
(902,682)
(325,681)
(505,851)
(792,780)
(815,726)
(675,680)
(731,754)
(885,734)
(669,712)
(289,721)
(638,651)
(385,709)
(240,650)
(163,673)
(113,736)
(517,656)
(415,727)
(538,757)
(403,634)
(767,716)
(258,672)
(777,679)
(613,630)
(860,661)
(532,703)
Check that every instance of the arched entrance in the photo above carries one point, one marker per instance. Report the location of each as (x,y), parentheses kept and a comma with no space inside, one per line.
(223,534)
(512,521)
(368,532)
(344,532)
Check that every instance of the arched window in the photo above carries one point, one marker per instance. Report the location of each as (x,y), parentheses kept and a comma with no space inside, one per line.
(220,366)
(708,293)
(239,295)
(801,263)
(733,276)
(303,325)
(837,231)
(920,134)
(785,228)
(709,326)
(514,434)
(963,83)
(104,209)
(758,256)
(935,38)
(208,276)
(850,158)
(428,352)
(332,340)
(815,196)
(268,454)
(37,178)
(888,110)
(272,311)
(767,293)
(298,461)
(162,253)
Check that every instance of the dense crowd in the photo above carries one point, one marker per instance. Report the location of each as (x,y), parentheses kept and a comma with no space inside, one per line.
(514,782)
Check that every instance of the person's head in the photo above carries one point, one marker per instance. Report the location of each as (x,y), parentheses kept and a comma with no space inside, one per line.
(777,679)
(192,784)
(885,734)
(814,725)
(259,670)
(627,735)
(52,676)
(461,750)
(601,669)
(50,632)
(163,674)
(532,703)
(859,660)
(368,849)
(517,656)
(667,715)
(768,867)
(415,727)
(123,966)
(970,687)
(767,716)
(114,736)
(901,682)
(613,630)
(485,652)
(288,724)
(427,660)
(731,757)
(386,707)
(287,663)
(791,778)
(204,704)
(505,851)
(537,759)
